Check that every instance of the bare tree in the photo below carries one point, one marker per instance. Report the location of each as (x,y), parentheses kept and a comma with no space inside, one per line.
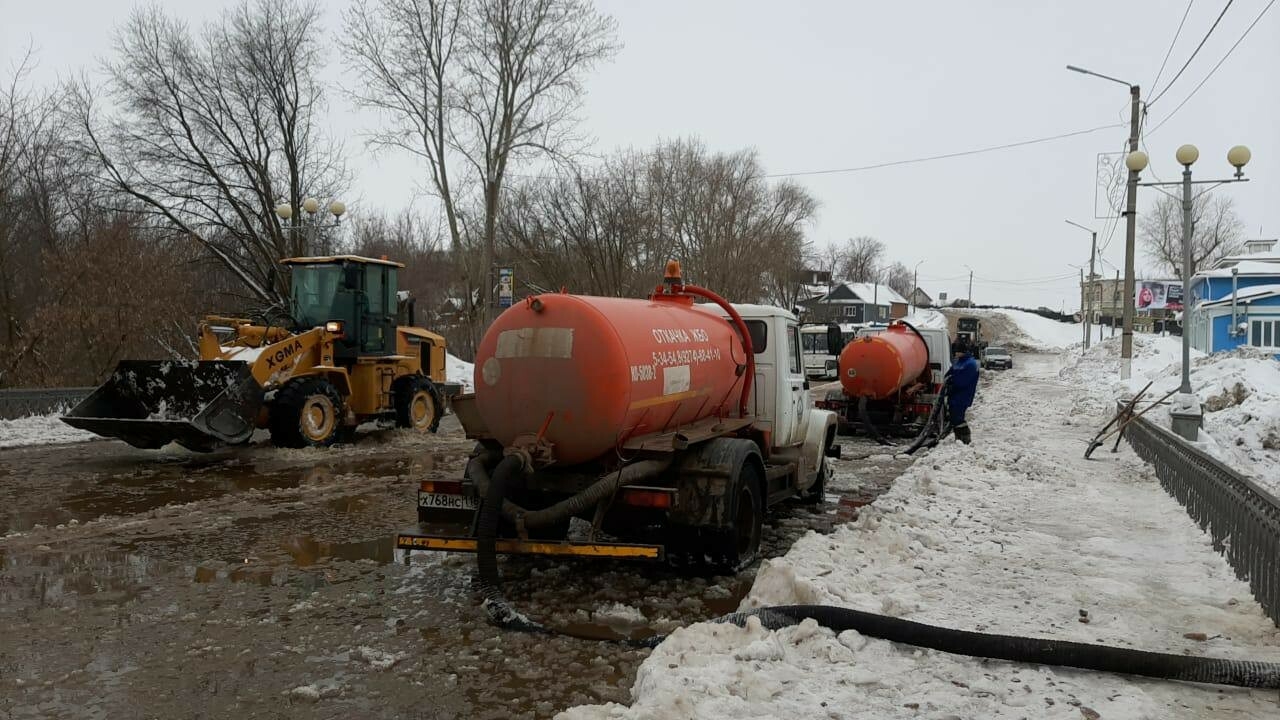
(900,279)
(608,231)
(215,128)
(1216,232)
(471,87)
(860,259)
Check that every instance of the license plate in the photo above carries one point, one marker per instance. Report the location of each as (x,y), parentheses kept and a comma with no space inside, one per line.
(446,502)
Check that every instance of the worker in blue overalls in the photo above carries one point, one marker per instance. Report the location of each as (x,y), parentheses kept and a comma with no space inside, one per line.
(962,382)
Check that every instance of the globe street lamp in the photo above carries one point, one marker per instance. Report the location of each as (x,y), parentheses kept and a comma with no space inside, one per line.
(311,224)
(1186,413)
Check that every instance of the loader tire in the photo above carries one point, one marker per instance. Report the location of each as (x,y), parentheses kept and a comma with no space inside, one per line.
(307,412)
(418,403)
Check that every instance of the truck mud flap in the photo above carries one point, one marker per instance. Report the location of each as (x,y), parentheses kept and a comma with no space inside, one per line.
(149,404)
(415,540)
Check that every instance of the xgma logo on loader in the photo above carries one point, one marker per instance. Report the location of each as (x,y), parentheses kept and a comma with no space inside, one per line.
(284,353)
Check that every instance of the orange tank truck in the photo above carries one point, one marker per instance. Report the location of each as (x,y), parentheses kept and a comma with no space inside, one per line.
(588,373)
(668,424)
(878,366)
(889,378)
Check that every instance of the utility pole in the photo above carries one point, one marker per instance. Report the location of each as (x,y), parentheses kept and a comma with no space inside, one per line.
(970,298)
(1135,165)
(1086,304)
(1130,234)
(1115,300)
(1083,310)
(1088,321)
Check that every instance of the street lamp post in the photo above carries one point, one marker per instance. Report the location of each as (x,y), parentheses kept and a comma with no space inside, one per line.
(1186,414)
(1087,306)
(312,224)
(1131,220)
(915,287)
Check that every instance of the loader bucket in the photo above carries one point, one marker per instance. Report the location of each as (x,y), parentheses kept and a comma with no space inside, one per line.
(149,404)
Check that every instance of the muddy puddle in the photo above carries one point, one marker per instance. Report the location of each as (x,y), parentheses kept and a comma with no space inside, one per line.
(266,584)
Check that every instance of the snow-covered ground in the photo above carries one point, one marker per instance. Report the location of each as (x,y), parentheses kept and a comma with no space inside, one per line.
(1239,392)
(1034,330)
(49,430)
(460,371)
(39,430)
(1016,534)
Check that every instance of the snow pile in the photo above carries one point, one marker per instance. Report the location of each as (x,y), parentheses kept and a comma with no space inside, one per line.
(1039,333)
(1239,392)
(457,370)
(1018,535)
(39,430)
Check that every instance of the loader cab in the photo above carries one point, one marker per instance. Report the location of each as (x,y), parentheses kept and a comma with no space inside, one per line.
(357,291)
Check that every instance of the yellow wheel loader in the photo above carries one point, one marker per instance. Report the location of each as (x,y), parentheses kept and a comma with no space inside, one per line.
(346,352)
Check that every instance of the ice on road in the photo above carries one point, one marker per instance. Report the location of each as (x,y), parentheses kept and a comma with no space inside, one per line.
(1016,534)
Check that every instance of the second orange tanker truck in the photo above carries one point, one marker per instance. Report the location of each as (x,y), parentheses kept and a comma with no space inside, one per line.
(890,377)
(668,427)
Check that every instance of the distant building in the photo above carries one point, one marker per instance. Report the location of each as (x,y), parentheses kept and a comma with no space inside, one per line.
(920,298)
(1237,302)
(855,303)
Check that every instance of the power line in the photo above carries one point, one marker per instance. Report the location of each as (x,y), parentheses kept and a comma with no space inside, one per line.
(1215,68)
(1193,54)
(945,156)
(1173,42)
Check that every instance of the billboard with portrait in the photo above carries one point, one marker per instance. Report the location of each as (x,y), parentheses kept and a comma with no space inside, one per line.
(1158,295)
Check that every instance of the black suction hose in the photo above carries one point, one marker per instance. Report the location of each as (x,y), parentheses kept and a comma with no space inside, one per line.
(1038,651)
(865,418)
(509,474)
(935,428)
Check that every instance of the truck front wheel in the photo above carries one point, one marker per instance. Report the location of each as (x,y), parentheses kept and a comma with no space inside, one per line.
(737,546)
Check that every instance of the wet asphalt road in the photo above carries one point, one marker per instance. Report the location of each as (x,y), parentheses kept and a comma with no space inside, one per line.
(259,582)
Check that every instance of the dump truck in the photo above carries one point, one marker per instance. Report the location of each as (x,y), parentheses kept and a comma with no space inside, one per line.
(890,376)
(346,351)
(667,427)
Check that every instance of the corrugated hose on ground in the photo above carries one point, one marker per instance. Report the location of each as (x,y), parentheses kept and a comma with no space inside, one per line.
(1040,651)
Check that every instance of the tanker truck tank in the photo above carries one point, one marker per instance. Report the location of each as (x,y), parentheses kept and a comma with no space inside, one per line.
(877,366)
(587,373)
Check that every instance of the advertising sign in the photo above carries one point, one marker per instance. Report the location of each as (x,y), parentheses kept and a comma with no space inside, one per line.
(1158,295)
(506,286)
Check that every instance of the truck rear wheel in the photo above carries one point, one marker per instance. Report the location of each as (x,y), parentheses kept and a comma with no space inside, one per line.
(418,403)
(307,412)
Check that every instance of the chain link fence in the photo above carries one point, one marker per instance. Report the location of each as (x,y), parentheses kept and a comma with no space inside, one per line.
(22,402)
(1242,518)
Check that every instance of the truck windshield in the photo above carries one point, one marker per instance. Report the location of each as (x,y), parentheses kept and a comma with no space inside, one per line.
(316,295)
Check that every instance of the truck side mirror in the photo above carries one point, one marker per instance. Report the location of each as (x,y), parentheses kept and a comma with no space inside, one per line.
(835,341)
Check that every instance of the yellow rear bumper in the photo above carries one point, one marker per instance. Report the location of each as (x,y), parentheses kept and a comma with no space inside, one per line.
(416,541)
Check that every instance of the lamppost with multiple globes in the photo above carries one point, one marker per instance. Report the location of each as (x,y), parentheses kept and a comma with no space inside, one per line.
(1187,414)
(312,223)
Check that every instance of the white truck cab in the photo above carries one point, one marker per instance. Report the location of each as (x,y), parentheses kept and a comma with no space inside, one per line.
(780,399)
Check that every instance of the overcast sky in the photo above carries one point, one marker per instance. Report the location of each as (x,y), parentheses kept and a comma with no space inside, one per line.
(828,85)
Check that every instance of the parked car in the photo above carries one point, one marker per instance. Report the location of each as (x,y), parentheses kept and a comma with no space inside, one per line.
(996,357)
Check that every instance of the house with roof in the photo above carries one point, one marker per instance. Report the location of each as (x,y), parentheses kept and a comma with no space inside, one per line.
(849,302)
(1237,302)
(920,298)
